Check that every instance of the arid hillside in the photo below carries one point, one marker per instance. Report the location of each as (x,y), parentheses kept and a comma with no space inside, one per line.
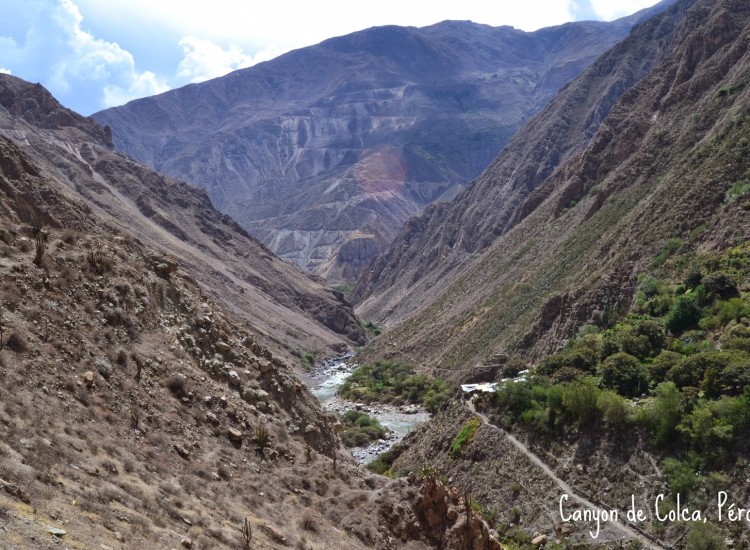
(148,401)
(286,307)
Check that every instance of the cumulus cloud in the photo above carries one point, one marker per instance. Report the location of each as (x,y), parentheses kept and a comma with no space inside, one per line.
(3,70)
(204,59)
(81,70)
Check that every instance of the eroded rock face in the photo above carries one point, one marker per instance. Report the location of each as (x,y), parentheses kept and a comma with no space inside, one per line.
(355,135)
(444,519)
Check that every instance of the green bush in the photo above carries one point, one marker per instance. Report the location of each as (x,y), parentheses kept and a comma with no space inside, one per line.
(659,367)
(360,429)
(464,436)
(579,400)
(614,408)
(664,414)
(683,314)
(625,374)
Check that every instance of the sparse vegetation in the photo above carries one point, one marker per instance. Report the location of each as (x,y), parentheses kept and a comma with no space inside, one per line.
(360,429)
(247,534)
(372,328)
(388,382)
(40,240)
(464,436)
(262,442)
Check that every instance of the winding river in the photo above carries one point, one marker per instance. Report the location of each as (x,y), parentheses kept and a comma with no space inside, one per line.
(324,381)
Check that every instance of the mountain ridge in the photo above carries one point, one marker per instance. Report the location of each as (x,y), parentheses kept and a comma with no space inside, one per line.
(324,152)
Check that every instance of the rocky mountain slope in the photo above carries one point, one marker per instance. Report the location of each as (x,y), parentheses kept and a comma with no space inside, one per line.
(145,403)
(324,152)
(467,281)
(285,306)
(432,250)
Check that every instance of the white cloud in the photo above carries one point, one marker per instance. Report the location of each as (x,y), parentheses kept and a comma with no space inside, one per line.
(3,70)
(609,11)
(140,85)
(204,59)
(83,71)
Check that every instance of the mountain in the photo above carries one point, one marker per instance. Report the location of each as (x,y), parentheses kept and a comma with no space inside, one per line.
(324,152)
(147,398)
(555,233)
(285,306)
(598,250)
(440,246)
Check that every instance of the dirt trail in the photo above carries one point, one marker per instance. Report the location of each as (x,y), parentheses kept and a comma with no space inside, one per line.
(619,525)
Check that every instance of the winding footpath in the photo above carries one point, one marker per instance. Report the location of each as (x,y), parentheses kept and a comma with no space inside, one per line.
(620,525)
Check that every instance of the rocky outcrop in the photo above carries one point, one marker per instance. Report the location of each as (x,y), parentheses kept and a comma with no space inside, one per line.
(448,520)
(358,133)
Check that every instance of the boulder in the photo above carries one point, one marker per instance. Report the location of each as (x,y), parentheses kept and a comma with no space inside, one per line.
(234,435)
(234,378)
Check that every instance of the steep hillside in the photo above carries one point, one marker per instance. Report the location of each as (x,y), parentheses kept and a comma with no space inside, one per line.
(324,152)
(285,306)
(658,172)
(631,260)
(432,250)
(142,406)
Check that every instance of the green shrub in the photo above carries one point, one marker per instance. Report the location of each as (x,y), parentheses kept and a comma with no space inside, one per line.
(579,401)
(683,314)
(659,367)
(360,429)
(704,536)
(464,436)
(664,414)
(614,408)
(681,476)
(625,374)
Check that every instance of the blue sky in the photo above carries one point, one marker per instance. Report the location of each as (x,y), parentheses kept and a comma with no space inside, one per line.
(93,54)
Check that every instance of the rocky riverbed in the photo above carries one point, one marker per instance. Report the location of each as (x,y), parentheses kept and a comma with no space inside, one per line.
(324,382)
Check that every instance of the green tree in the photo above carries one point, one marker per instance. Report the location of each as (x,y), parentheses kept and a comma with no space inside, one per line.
(624,373)
(683,314)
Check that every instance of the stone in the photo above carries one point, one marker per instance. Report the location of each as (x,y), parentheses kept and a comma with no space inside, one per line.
(186,543)
(119,536)
(55,532)
(88,378)
(539,541)
(182,451)
(166,267)
(222,347)
(234,378)
(265,366)
(567,529)
(212,418)
(234,435)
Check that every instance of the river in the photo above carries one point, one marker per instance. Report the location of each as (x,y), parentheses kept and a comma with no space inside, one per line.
(324,381)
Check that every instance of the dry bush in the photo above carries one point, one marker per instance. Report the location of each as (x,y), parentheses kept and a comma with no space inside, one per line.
(177,384)
(309,522)
(16,342)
